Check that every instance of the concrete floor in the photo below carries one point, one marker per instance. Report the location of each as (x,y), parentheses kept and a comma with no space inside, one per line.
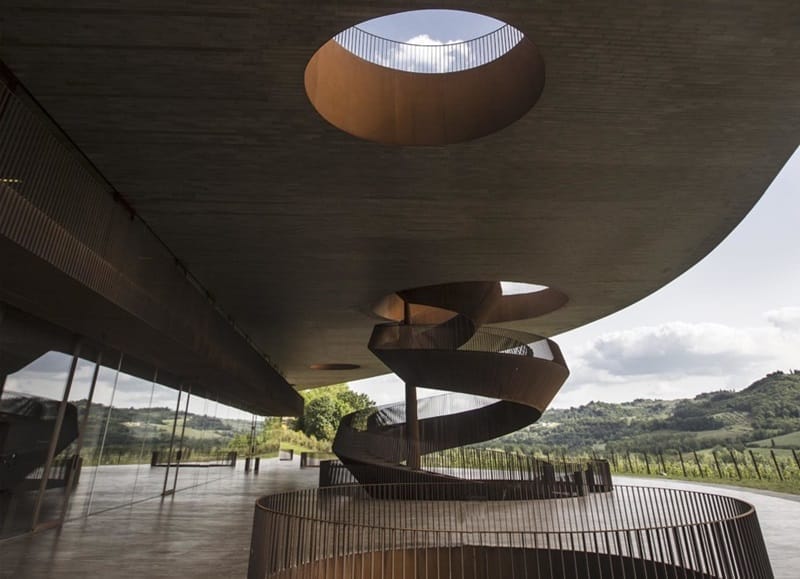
(204,530)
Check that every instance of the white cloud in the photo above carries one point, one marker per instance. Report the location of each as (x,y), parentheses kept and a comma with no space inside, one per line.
(669,360)
(679,359)
(424,54)
(675,349)
(786,319)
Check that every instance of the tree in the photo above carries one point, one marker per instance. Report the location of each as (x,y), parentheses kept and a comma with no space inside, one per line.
(325,407)
(322,416)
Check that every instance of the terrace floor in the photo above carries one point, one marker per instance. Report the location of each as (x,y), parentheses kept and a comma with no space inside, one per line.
(204,530)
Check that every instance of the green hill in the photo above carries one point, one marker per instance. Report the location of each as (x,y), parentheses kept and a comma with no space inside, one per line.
(767,410)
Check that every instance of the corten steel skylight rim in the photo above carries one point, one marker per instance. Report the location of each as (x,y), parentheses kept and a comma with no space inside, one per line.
(398,107)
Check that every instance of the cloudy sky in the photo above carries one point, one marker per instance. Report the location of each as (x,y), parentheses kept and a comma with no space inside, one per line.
(427,30)
(442,26)
(729,320)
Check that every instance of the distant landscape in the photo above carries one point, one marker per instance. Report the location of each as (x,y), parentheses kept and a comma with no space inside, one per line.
(758,426)
(765,414)
(132,434)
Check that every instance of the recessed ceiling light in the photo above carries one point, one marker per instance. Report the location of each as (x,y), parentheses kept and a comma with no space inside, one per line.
(10,181)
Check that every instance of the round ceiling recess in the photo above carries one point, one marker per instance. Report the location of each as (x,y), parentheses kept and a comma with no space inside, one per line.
(392,81)
(334,366)
(492,301)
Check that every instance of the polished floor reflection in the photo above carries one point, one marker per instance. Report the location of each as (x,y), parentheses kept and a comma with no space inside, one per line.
(204,530)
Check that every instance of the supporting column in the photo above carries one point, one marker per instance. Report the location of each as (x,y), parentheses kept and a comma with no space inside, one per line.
(412,418)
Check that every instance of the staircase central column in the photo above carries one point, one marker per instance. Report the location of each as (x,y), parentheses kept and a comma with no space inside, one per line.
(412,418)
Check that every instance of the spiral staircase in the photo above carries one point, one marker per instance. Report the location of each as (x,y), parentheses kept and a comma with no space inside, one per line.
(499,380)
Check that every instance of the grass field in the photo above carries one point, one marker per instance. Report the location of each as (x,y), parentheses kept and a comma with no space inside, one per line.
(790,440)
(751,468)
(787,486)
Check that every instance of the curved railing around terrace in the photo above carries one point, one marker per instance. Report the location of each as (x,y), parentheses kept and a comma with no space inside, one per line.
(377,532)
(431,58)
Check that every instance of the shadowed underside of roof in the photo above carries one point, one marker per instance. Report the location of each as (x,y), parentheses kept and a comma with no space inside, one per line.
(659,126)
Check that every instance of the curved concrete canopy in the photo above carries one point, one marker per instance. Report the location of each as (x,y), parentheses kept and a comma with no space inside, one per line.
(661,125)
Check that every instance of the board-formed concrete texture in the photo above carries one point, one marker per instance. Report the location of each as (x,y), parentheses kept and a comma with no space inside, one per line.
(659,126)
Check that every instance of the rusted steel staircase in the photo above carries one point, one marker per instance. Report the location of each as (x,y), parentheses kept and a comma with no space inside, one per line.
(501,380)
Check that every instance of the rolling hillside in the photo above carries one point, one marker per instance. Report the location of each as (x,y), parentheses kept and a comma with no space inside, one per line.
(768,410)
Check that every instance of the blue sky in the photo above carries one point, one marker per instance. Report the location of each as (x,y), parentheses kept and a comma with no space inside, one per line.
(443,25)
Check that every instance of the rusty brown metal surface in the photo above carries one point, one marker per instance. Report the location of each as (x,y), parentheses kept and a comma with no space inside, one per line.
(508,377)
(406,108)
(420,531)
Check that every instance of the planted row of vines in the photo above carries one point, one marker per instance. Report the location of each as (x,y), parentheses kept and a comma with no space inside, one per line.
(720,463)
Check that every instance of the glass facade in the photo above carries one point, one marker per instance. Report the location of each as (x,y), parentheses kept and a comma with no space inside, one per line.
(80,435)
(29,409)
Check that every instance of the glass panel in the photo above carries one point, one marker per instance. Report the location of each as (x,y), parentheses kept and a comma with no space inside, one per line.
(96,457)
(28,411)
(121,419)
(129,420)
(65,468)
(213,433)
(155,426)
(268,437)
(194,443)
(235,433)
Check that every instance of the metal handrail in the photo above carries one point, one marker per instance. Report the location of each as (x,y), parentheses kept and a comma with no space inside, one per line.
(634,531)
(429,58)
(297,508)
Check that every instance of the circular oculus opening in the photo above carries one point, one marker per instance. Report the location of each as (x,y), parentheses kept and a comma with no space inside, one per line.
(430,41)
(334,366)
(425,77)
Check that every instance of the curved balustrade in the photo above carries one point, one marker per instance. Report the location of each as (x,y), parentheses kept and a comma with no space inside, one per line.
(375,531)
(432,58)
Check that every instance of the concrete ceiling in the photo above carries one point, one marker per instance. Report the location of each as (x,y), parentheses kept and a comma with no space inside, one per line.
(660,125)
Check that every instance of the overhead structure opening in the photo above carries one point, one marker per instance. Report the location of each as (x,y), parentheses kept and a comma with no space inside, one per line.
(436,304)
(430,41)
(425,77)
